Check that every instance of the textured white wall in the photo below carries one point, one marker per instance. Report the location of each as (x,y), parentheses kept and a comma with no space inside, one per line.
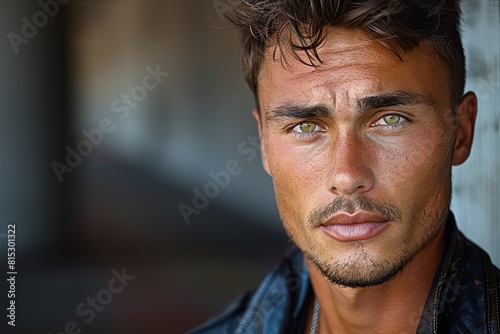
(476,201)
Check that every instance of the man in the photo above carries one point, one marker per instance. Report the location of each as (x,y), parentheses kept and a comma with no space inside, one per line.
(361,115)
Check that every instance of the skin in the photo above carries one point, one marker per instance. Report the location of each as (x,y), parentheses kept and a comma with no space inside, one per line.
(372,134)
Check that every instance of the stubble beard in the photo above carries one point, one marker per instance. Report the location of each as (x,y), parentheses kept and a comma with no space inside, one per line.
(360,270)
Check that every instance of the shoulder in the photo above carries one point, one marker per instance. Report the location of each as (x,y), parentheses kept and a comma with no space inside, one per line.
(225,321)
(471,290)
(272,307)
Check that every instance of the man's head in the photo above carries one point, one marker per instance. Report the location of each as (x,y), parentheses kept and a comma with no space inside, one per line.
(360,145)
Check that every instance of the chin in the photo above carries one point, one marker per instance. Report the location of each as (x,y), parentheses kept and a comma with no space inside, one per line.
(359,271)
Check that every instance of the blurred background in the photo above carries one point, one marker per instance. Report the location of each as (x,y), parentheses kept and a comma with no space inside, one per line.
(150,93)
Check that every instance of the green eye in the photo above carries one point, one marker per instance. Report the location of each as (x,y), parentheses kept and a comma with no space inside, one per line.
(391,122)
(307,127)
(391,119)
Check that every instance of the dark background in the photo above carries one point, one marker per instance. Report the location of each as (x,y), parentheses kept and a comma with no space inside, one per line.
(119,208)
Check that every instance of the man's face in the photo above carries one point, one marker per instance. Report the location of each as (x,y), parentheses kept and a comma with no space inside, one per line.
(360,152)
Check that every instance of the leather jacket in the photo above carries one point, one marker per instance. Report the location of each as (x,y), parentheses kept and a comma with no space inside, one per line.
(464,297)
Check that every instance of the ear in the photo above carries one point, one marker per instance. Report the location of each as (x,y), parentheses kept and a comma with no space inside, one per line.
(257,116)
(465,121)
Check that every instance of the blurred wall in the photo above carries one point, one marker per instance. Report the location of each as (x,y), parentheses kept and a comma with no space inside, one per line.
(34,96)
(194,121)
(152,145)
(476,192)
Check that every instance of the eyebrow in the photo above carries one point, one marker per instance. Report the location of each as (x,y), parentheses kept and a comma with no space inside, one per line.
(303,111)
(291,111)
(394,99)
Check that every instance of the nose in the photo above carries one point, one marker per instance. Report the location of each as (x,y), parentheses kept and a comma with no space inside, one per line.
(350,172)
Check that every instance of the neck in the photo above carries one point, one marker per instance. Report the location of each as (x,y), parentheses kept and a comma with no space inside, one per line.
(392,307)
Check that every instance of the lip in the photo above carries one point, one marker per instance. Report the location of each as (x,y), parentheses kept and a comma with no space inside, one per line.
(345,227)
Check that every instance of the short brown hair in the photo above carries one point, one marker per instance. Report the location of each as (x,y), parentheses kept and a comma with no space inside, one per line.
(400,25)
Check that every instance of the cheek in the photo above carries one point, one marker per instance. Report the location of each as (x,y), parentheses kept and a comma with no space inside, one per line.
(298,175)
(417,171)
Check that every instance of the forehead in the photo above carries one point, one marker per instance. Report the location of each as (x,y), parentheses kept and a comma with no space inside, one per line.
(353,65)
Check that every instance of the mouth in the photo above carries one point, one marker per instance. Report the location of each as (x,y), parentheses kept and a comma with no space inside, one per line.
(362,225)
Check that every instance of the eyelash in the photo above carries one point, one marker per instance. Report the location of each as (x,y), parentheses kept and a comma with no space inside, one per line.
(290,130)
(403,121)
